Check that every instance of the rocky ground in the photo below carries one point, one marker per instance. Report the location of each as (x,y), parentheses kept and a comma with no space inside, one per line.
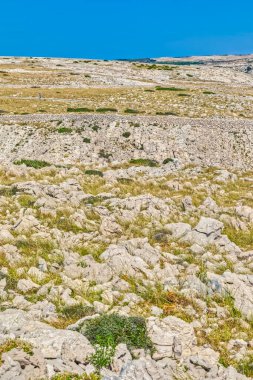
(126,244)
(198,87)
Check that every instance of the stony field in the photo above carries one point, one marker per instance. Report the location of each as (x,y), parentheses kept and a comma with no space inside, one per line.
(126,219)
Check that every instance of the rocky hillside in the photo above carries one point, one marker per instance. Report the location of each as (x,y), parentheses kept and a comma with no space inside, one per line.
(126,245)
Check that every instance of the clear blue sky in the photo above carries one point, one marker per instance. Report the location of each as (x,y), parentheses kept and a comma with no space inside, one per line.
(125,28)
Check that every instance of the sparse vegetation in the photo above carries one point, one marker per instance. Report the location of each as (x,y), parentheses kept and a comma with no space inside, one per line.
(94,172)
(10,344)
(110,330)
(97,243)
(64,130)
(159,88)
(243,239)
(104,110)
(167,113)
(130,110)
(143,162)
(168,160)
(32,163)
(72,376)
(82,109)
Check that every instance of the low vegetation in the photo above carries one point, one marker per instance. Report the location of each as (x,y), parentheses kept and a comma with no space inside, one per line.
(94,172)
(32,163)
(107,331)
(104,110)
(72,376)
(81,109)
(64,130)
(15,343)
(143,162)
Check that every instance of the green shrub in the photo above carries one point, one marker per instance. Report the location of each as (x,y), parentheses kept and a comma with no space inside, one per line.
(168,160)
(94,172)
(143,162)
(83,109)
(64,130)
(107,331)
(129,110)
(102,110)
(208,93)
(159,88)
(103,356)
(126,134)
(154,66)
(86,140)
(33,163)
(111,330)
(95,128)
(184,95)
(104,154)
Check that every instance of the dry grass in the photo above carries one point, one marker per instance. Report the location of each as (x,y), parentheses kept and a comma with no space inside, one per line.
(52,88)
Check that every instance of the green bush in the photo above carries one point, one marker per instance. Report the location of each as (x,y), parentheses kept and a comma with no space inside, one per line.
(208,93)
(33,163)
(129,110)
(111,330)
(159,88)
(168,160)
(86,140)
(126,134)
(103,154)
(83,109)
(103,356)
(64,130)
(95,128)
(94,172)
(143,162)
(184,95)
(102,110)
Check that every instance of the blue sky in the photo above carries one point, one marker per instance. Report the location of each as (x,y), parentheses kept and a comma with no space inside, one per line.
(109,29)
